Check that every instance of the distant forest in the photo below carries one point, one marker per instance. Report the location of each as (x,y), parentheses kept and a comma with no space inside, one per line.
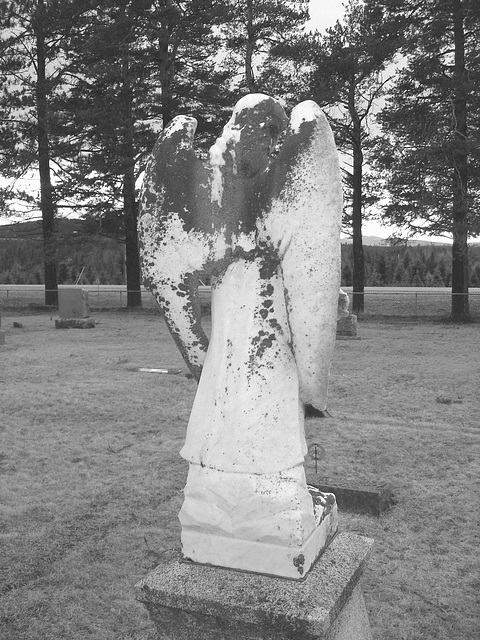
(88,257)
(83,254)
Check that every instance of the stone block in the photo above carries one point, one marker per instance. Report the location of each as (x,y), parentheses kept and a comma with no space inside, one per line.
(73,303)
(75,323)
(360,498)
(265,523)
(187,600)
(347,325)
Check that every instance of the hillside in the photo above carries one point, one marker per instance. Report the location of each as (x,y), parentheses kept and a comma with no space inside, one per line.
(82,249)
(86,256)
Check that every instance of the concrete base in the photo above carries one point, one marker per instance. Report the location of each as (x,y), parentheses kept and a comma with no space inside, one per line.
(186,600)
(347,326)
(75,323)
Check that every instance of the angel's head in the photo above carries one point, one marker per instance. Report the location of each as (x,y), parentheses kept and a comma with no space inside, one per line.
(249,137)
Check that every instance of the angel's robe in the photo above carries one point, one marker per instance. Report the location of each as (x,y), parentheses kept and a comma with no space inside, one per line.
(247,416)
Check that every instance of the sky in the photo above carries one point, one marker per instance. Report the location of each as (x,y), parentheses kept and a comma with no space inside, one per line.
(325,13)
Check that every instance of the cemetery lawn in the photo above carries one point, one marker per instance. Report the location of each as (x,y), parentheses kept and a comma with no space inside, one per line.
(91,479)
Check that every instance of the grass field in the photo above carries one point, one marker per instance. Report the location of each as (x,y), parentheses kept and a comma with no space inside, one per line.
(91,480)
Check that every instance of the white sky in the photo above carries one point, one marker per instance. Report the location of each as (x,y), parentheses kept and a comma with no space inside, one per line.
(325,13)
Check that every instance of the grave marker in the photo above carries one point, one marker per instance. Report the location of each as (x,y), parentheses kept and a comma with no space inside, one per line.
(73,309)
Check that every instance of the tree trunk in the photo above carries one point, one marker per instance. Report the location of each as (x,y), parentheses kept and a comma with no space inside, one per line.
(250,45)
(358,297)
(132,254)
(167,73)
(460,275)
(46,191)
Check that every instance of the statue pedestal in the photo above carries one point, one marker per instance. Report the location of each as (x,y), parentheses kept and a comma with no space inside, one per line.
(186,600)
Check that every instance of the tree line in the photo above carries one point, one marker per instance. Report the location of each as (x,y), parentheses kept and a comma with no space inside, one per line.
(415,266)
(88,258)
(84,257)
(87,85)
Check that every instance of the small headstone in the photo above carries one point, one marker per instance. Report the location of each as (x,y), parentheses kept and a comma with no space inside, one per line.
(347,326)
(73,310)
(73,303)
(356,497)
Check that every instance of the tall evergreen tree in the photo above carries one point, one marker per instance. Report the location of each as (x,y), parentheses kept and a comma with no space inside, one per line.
(431,123)
(31,68)
(137,64)
(254,34)
(346,76)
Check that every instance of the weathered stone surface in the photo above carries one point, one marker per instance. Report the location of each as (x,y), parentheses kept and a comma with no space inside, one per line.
(207,603)
(75,323)
(245,207)
(267,230)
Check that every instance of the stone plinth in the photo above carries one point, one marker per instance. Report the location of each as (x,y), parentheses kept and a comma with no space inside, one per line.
(73,303)
(75,323)
(187,600)
(347,325)
(269,523)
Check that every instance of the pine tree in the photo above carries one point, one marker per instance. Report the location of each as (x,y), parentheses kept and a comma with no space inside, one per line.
(432,126)
(347,78)
(258,36)
(137,64)
(31,71)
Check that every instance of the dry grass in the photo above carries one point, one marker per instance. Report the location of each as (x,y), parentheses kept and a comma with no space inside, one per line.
(91,480)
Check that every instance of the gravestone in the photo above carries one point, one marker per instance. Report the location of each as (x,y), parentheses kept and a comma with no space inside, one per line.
(73,309)
(266,229)
(346,321)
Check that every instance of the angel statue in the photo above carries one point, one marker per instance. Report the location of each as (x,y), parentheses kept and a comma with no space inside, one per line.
(266,227)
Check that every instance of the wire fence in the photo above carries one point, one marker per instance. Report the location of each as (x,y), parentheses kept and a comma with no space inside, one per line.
(405,302)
